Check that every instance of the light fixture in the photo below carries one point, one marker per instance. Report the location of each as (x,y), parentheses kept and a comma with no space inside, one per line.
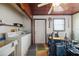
(57,7)
(56,4)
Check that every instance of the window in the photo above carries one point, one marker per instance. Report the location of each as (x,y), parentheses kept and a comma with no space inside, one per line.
(59,24)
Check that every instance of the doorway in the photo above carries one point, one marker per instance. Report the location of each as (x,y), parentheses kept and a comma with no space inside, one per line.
(40,31)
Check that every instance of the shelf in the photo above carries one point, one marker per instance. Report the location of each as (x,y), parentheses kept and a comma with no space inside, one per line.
(8,25)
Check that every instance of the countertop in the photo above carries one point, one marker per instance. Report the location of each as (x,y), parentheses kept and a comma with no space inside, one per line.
(5,42)
(9,40)
(56,38)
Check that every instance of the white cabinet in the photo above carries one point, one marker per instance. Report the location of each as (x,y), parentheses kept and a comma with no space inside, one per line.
(8,49)
(23,45)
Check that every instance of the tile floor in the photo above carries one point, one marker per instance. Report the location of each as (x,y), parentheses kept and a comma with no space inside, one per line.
(37,48)
(32,51)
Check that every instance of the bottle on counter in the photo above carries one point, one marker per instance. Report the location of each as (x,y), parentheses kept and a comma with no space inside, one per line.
(56,34)
(2,36)
(49,37)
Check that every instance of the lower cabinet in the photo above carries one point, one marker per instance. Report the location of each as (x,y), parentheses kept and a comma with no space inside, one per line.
(56,48)
(8,49)
(60,50)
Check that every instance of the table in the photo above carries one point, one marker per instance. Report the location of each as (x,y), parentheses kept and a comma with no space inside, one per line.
(56,38)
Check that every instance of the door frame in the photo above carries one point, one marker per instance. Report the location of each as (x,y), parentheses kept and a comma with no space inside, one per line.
(45,30)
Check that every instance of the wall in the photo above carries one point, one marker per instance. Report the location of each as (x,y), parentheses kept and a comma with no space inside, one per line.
(67,23)
(27,24)
(9,15)
(76,26)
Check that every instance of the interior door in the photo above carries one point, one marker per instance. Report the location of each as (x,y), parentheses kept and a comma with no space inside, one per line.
(39,31)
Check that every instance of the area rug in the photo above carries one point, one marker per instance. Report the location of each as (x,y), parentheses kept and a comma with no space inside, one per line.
(41,50)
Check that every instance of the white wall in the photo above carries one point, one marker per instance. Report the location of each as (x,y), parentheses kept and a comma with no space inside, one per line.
(9,15)
(27,24)
(76,26)
(67,23)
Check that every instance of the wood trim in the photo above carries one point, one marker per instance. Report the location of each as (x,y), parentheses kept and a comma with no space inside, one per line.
(64,25)
(32,30)
(45,30)
(49,15)
(58,14)
(52,14)
(75,12)
(72,36)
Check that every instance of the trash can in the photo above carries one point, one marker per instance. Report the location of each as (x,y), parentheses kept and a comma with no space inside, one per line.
(51,51)
(60,49)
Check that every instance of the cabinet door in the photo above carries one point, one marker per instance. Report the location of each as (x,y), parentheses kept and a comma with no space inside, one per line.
(39,31)
(7,49)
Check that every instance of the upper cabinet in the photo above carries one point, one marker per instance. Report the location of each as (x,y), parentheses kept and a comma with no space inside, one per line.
(26,8)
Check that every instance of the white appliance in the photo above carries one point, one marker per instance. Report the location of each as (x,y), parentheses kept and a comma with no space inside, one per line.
(12,34)
(24,43)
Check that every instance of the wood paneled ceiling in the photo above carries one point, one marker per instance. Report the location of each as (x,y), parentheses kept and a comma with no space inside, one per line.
(71,9)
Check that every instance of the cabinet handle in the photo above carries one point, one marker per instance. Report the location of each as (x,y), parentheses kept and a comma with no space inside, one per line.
(12,44)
